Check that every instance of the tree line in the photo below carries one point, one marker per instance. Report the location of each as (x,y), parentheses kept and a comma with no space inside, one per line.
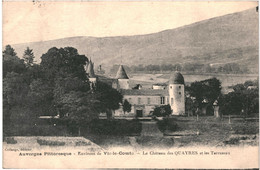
(243,100)
(57,86)
(229,68)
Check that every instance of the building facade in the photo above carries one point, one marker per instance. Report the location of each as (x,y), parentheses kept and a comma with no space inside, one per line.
(144,101)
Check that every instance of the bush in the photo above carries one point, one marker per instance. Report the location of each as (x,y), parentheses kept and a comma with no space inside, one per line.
(162,111)
(10,141)
(50,143)
(115,127)
(36,129)
(167,124)
(82,143)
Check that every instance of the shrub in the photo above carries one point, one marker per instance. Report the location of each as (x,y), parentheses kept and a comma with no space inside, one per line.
(10,141)
(44,127)
(50,143)
(162,111)
(232,141)
(167,124)
(82,143)
(115,127)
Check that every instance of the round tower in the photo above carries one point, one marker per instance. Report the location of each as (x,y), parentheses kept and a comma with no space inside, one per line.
(123,80)
(176,94)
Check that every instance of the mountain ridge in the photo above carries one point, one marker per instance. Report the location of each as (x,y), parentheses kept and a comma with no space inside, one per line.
(232,34)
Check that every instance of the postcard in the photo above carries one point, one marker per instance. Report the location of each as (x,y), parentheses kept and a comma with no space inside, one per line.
(130,84)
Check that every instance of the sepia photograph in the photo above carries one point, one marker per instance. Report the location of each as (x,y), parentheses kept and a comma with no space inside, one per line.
(120,84)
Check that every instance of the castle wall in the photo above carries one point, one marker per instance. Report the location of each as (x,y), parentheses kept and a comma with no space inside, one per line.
(145,103)
(146,100)
(123,83)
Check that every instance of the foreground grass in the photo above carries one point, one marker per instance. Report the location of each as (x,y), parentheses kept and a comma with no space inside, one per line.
(212,131)
(207,131)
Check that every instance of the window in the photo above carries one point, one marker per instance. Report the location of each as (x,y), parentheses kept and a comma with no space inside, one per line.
(139,100)
(179,93)
(148,100)
(171,87)
(162,100)
(179,87)
(171,101)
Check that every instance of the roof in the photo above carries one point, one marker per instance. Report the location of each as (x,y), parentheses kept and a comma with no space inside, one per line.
(106,80)
(145,92)
(121,74)
(90,70)
(160,84)
(176,78)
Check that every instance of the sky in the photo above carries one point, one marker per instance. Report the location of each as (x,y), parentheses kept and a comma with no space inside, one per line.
(41,21)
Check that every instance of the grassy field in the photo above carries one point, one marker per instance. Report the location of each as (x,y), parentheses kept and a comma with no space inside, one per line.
(180,132)
(146,80)
(215,132)
(187,131)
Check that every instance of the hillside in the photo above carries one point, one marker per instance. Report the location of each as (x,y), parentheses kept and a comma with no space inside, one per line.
(225,39)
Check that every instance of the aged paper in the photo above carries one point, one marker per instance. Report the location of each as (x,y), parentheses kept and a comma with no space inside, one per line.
(218,39)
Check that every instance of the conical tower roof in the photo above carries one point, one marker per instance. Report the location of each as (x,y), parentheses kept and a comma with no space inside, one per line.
(90,70)
(121,74)
(176,78)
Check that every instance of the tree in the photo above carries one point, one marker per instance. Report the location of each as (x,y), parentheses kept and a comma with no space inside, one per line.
(15,86)
(73,100)
(60,62)
(15,99)
(9,51)
(126,106)
(231,103)
(41,98)
(28,57)
(11,63)
(162,111)
(241,101)
(190,105)
(208,90)
(109,98)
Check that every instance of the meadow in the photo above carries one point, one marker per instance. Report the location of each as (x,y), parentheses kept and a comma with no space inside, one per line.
(181,132)
(227,80)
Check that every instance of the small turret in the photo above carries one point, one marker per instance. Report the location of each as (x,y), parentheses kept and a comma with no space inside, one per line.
(123,80)
(91,75)
(121,74)
(90,70)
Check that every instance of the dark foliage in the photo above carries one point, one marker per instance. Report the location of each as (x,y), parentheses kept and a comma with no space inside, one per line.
(63,61)
(11,63)
(115,127)
(58,86)
(10,140)
(50,143)
(207,90)
(242,101)
(126,106)
(162,111)
(167,124)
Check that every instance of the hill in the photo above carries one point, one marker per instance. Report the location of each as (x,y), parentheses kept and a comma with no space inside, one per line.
(225,39)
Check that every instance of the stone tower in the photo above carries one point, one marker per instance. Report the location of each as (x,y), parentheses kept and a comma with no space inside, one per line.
(122,78)
(91,75)
(176,94)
